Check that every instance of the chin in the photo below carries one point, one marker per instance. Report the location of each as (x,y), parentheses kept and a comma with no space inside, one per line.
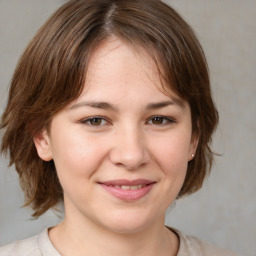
(129,223)
(127,229)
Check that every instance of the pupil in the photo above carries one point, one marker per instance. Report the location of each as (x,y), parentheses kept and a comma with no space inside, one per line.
(158,120)
(96,121)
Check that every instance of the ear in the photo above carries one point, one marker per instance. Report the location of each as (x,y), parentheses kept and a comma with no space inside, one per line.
(43,146)
(193,147)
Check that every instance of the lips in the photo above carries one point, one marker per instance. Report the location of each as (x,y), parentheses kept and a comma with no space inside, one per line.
(128,190)
(126,187)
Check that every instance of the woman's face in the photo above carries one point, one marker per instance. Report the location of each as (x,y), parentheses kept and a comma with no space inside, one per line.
(121,148)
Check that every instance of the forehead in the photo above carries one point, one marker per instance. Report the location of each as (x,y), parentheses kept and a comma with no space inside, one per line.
(119,73)
(114,62)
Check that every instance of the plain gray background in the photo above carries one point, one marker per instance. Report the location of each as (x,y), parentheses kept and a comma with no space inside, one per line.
(224,211)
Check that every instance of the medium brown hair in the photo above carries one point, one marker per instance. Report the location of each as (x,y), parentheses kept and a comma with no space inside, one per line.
(52,70)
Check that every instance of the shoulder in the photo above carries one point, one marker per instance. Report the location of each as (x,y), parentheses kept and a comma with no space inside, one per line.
(192,246)
(35,246)
(27,247)
(206,249)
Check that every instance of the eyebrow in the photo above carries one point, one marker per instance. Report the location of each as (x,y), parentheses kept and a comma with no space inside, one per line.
(108,106)
(163,104)
(94,104)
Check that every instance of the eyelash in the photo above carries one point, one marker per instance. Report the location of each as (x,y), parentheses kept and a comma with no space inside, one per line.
(165,119)
(88,121)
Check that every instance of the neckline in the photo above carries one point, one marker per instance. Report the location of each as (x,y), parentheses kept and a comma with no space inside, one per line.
(46,247)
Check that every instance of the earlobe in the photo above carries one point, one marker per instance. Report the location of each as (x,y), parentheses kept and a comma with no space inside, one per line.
(193,147)
(42,144)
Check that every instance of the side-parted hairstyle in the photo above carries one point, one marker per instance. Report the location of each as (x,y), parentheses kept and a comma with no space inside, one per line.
(51,74)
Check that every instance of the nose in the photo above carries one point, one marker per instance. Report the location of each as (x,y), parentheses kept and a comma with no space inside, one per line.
(130,150)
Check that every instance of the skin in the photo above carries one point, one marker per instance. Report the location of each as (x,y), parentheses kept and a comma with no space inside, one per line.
(125,141)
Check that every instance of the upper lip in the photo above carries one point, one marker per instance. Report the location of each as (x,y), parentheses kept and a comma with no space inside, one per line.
(123,182)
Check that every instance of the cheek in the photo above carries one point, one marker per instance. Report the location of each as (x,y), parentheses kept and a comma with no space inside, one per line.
(76,155)
(171,152)
(171,156)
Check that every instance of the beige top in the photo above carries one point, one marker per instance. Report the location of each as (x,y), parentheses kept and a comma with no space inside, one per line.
(41,245)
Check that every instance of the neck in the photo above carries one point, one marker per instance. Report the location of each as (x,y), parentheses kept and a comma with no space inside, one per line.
(72,238)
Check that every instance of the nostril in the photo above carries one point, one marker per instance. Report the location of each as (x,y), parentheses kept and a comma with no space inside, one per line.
(129,159)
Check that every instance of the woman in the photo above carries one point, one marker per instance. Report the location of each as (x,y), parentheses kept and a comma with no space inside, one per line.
(110,112)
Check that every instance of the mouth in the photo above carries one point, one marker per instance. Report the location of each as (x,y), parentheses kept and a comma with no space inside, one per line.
(126,187)
(128,190)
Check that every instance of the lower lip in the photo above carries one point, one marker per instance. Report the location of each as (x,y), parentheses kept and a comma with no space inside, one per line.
(129,194)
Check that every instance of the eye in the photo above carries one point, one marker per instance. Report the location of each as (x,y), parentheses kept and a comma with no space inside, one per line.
(95,121)
(160,120)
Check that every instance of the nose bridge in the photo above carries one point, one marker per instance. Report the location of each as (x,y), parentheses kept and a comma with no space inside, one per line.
(130,148)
